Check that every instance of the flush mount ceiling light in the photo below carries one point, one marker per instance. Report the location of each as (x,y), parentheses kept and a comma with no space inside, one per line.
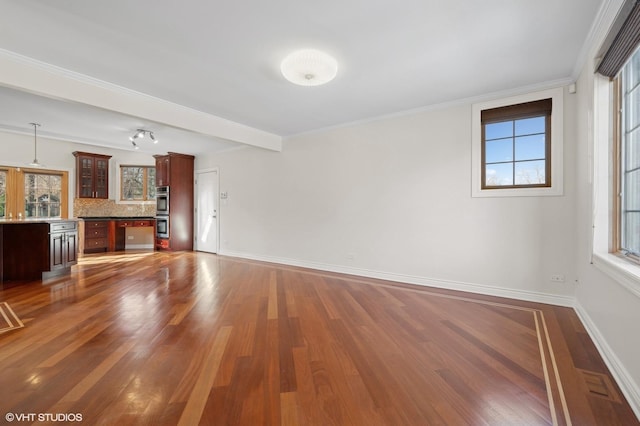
(139,134)
(309,67)
(35,162)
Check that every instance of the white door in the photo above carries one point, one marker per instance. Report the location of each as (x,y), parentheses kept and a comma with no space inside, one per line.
(207,211)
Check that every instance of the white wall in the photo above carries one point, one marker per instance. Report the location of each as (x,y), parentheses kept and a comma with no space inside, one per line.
(392,198)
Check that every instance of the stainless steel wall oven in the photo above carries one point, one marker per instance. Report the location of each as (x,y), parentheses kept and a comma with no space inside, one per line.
(162,201)
(162,226)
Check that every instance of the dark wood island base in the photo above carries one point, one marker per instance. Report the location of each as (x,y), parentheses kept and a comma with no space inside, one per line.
(36,249)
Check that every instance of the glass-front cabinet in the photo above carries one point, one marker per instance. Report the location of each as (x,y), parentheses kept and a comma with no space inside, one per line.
(92,175)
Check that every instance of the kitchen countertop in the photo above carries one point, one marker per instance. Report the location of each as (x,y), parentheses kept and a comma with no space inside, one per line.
(36,220)
(116,217)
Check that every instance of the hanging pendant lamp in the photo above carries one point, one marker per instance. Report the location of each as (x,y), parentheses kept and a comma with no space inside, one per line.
(35,162)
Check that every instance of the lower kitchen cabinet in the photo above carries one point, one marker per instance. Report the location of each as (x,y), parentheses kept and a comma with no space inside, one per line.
(63,246)
(36,249)
(96,234)
(108,234)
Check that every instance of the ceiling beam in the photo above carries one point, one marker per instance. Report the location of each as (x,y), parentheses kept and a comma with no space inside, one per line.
(23,73)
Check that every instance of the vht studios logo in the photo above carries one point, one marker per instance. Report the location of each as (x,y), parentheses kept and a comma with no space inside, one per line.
(43,417)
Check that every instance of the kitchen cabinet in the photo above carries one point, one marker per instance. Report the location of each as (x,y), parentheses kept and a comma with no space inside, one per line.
(108,233)
(176,171)
(163,170)
(92,175)
(96,234)
(63,246)
(36,249)
(121,226)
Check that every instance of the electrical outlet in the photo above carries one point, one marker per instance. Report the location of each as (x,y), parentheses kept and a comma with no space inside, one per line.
(129,237)
(557,278)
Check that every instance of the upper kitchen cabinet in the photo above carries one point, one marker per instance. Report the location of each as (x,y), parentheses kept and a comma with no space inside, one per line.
(92,175)
(173,166)
(163,170)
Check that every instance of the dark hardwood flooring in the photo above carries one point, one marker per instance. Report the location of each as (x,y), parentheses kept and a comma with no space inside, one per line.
(193,338)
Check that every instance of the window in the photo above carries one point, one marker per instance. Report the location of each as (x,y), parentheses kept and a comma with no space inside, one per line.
(33,193)
(517,145)
(627,158)
(137,183)
(3,192)
(616,221)
(42,194)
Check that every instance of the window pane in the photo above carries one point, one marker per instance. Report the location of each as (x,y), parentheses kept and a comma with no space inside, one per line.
(631,234)
(632,150)
(631,190)
(530,172)
(530,126)
(151,183)
(633,71)
(3,193)
(498,130)
(633,109)
(499,174)
(132,183)
(530,148)
(498,151)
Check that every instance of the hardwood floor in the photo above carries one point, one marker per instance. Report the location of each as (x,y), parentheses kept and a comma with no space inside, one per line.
(192,338)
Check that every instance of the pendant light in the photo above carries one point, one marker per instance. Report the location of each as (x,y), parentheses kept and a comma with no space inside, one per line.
(35,162)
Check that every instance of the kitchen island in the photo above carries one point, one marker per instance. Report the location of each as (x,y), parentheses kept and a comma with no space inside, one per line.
(34,249)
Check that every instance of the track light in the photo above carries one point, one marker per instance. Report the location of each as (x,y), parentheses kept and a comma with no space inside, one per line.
(139,134)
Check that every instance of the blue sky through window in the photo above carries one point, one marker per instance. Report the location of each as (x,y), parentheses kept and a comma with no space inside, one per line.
(515,152)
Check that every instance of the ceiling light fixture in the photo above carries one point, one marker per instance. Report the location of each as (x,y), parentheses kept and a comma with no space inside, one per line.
(139,134)
(309,67)
(35,162)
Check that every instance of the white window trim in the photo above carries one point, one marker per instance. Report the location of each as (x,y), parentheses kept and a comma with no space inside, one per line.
(557,144)
(119,184)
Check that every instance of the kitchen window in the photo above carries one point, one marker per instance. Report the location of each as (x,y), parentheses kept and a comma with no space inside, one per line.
(42,195)
(137,183)
(517,145)
(33,193)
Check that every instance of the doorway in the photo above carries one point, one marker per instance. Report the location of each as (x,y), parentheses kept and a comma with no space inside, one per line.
(207,184)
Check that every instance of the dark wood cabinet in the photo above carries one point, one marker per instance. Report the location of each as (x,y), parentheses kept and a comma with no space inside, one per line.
(163,170)
(121,226)
(96,234)
(37,249)
(92,175)
(176,171)
(109,233)
(63,246)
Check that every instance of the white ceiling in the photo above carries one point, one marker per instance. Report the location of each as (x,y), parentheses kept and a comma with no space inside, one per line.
(222,58)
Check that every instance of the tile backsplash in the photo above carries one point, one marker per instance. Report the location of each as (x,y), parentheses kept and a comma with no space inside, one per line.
(102,207)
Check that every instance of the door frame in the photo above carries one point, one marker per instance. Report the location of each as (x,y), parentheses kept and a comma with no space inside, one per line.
(196,198)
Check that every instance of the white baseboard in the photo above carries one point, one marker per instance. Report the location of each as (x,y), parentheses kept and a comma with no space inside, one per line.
(623,378)
(530,296)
